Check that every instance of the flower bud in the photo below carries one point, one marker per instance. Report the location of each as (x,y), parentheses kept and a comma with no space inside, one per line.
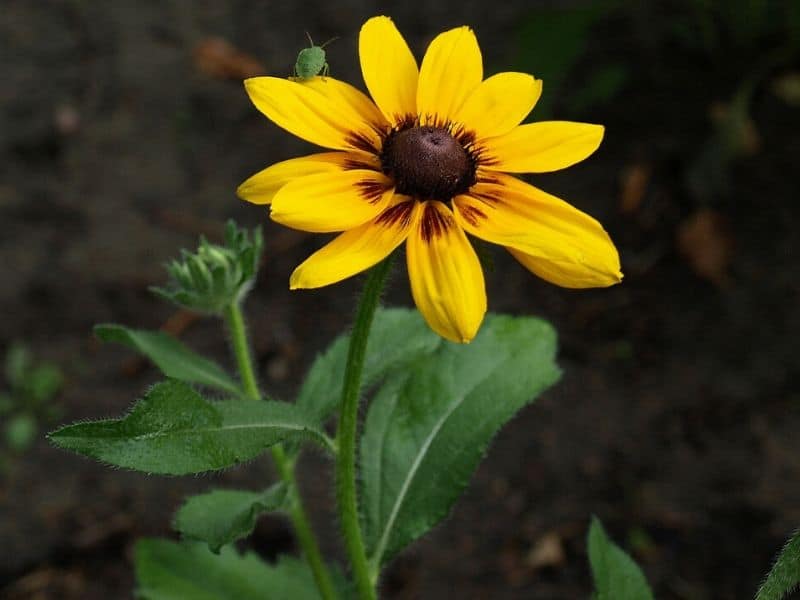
(215,276)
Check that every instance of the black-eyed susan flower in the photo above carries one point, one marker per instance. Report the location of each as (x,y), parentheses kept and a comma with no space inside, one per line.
(427,163)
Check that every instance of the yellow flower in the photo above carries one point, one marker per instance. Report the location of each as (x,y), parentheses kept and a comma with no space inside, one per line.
(427,164)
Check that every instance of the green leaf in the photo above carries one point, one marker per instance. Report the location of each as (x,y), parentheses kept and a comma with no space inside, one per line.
(220,517)
(603,84)
(44,382)
(173,358)
(784,576)
(551,41)
(7,404)
(17,364)
(20,432)
(430,424)
(616,576)
(174,431)
(170,571)
(398,337)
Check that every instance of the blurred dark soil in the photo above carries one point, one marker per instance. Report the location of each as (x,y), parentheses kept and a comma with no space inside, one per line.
(678,416)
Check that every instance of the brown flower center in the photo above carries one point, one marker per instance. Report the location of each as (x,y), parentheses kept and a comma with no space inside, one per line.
(427,163)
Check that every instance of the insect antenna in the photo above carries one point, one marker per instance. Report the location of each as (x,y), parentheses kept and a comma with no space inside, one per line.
(333,39)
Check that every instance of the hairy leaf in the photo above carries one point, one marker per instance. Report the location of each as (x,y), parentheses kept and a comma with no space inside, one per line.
(784,576)
(398,337)
(429,425)
(171,571)
(220,517)
(616,576)
(174,431)
(173,358)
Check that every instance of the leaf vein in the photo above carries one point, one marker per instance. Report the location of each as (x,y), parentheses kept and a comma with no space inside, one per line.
(410,476)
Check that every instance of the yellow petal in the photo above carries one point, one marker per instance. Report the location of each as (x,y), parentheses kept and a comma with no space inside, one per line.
(541,147)
(328,202)
(451,70)
(325,119)
(348,99)
(262,187)
(499,104)
(389,69)
(445,274)
(555,240)
(568,275)
(358,249)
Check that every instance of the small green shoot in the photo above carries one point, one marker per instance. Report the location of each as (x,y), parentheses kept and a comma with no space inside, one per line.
(616,576)
(27,402)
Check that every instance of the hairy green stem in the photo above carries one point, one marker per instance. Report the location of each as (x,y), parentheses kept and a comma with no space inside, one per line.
(302,527)
(346,495)
(235,321)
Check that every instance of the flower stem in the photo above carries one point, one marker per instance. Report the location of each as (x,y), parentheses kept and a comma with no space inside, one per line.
(235,321)
(302,527)
(346,496)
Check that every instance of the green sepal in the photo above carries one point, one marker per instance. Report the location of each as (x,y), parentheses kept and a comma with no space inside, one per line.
(784,577)
(215,276)
(168,570)
(430,424)
(174,431)
(173,358)
(616,576)
(221,517)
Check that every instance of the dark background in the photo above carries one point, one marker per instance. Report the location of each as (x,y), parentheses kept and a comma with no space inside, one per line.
(124,131)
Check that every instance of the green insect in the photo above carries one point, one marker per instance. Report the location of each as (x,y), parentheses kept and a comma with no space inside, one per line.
(311,61)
